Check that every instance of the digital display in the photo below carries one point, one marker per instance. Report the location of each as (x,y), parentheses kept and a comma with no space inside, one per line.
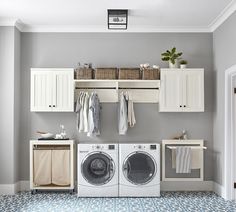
(111,147)
(153,147)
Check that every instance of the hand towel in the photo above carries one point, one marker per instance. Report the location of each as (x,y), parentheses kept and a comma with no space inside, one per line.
(183,159)
(196,158)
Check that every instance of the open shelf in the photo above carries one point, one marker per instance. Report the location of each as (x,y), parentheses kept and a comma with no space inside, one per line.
(142,91)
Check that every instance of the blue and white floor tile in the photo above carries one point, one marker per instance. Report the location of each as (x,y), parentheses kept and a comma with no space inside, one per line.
(65,202)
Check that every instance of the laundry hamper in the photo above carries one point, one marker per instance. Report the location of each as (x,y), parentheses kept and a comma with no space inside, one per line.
(129,73)
(51,165)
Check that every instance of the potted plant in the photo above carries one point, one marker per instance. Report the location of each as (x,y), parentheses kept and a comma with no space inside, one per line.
(183,63)
(172,56)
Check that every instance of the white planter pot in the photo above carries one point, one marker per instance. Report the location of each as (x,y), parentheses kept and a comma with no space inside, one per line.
(171,65)
(183,66)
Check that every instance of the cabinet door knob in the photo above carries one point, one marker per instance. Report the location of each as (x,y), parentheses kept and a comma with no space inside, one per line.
(184,105)
(54,105)
(50,105)
(180,106)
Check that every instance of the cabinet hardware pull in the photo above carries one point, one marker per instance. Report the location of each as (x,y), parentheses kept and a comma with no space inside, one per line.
(50,105)
(54,105)
(184,105)
(180,106)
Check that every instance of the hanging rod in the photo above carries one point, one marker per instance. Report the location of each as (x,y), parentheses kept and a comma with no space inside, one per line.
(81,88)
(192,147)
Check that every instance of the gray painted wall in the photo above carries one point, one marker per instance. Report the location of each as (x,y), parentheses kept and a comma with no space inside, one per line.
(115,49)
(7,173)
(224,57)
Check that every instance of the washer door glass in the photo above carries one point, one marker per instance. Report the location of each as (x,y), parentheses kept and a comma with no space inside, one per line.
(98,168)
(139,168)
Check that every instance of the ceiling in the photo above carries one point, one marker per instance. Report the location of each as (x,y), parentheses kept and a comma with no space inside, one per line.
(91,15)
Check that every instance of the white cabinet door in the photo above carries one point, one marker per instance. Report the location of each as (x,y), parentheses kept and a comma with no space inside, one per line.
(41,91)
(182,90)
(193,91)
(63,95)
(171,91)
(52,90)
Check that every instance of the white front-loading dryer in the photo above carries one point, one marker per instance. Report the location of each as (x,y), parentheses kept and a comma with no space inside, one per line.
(97,170)
(139,171)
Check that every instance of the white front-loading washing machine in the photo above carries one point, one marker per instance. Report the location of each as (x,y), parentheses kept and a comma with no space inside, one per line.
(97,170)
(139,172)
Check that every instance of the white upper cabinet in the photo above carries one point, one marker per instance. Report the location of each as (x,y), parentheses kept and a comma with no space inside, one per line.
(52,90)
(182,90)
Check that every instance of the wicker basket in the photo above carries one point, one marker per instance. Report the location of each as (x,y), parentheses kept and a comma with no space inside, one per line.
(151,74)
(129,73)
(106,73)
(84,73)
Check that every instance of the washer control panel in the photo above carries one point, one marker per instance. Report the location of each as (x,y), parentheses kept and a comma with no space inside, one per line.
(103,147)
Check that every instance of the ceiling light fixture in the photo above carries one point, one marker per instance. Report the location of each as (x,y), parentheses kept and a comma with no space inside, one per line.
(117,19)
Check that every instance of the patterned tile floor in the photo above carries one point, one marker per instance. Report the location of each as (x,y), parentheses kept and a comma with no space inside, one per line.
(65,202)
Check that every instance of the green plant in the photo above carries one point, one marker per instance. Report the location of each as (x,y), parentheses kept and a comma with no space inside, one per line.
(171,55)
(183,62)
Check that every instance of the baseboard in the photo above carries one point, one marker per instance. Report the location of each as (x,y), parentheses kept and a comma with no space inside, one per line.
(187,186)
(165,186)
(8,189)
(218,189)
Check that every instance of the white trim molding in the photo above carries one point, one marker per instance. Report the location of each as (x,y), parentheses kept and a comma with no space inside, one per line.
(223,16)
(9,189)
(101,29)
(229,151)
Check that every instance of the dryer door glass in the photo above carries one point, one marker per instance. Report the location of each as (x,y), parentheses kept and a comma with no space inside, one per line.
(139,168)
(98,168)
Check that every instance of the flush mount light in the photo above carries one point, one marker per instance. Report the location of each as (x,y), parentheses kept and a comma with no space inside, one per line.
(117,19)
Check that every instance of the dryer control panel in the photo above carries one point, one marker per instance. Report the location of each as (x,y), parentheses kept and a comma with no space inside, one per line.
(145,146)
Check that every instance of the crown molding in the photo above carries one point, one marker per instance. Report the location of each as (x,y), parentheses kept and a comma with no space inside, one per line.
(12,22)
(19,25)
(102,29)
(223,16)
(7,21)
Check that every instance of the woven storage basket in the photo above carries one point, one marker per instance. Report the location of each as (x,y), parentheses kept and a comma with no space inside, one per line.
(84,73)
(106,73)
(129,73)
(151,74)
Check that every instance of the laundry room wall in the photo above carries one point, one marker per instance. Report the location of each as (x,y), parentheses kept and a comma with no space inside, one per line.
(121,50)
